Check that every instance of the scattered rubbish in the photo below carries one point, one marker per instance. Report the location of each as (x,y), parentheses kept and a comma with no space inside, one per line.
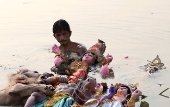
(160,85)
(163,92)
(154,66)
(143,96)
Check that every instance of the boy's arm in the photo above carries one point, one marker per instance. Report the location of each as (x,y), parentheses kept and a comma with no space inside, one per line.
(83,49)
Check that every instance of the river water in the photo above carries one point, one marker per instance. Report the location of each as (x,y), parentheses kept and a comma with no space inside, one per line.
(139,29)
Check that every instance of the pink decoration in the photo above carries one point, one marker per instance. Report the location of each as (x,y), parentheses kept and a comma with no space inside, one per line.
(57,61)
(55,49)
(77,75)
(126,57)
(109,58)
(97,45)
(104,70)
(94,48)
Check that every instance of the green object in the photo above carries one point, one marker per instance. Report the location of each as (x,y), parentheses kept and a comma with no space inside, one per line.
(144,104)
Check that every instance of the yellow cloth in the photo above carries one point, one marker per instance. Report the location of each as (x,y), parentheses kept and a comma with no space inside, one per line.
(131,102)
(56,97)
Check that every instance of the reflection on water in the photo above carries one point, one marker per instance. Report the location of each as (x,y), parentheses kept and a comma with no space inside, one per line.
(134,28)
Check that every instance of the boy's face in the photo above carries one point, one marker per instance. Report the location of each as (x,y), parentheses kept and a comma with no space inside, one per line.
(63,37)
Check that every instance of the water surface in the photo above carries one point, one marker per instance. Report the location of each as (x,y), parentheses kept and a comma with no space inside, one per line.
(134,28)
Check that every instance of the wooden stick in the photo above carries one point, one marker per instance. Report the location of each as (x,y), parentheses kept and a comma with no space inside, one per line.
(163,92)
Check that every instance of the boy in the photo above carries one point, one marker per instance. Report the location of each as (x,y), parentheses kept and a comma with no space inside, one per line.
(62,33)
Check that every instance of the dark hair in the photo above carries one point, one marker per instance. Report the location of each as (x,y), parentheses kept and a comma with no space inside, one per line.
(61,25)
(105,87)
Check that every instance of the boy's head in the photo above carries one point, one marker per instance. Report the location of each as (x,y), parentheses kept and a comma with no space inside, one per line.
(61,25)
(61,32)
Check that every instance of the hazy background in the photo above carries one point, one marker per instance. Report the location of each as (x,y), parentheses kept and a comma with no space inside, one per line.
(139,29)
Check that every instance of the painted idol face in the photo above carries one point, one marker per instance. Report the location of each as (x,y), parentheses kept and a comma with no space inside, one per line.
(123,91)
(99,87)
(88,58)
